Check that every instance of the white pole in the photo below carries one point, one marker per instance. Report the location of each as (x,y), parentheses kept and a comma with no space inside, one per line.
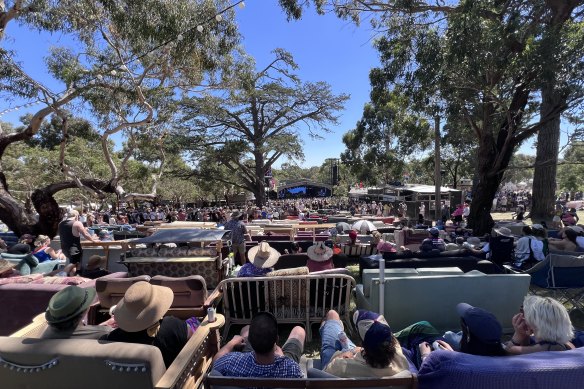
(381,285)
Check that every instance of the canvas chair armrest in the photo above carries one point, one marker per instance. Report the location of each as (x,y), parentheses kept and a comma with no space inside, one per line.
(214,298)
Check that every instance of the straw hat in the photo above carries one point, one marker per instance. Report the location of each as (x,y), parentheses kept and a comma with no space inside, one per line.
(142,306)
(95,262)
(6,265)
(319,252)
(68,303)
(263,256)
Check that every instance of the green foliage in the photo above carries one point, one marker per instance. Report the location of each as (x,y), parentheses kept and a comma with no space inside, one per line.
(386,135)
(571,172)
(257,120)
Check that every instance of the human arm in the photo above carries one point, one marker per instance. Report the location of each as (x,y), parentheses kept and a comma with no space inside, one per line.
(520,341)
(426,349)
(83,231)
(55,254)
(235,342)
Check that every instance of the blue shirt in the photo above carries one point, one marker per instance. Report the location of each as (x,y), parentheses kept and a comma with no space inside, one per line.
(237,229)
(242,364)
(250,270)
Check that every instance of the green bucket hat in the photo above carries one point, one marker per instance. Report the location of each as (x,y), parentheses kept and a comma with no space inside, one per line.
(68,303)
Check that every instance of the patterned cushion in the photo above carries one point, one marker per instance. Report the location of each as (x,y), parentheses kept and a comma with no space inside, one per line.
(295,271)
(202,252)
(172,252)
(21,279)
(61,280)
(145,252)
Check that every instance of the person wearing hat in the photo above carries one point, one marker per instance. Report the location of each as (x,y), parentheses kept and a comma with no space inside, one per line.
(95,267)
(485,251)
(238,232)
(481,334)
(70,231)
(320,257)
(380,356)
(386,247)
(262,259)
(139,317)
(65,314)
(260,354)
(433,242)
(580,238)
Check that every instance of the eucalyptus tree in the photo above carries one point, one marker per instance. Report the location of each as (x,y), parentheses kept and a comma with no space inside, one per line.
(491,60)
(388,133)
(259,118)
(128,62)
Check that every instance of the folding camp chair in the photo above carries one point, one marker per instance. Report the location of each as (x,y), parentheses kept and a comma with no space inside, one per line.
(502,250)
(561,274)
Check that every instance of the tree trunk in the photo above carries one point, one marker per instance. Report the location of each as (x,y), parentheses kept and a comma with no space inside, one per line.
(493,159)
(260,171)
(546,160)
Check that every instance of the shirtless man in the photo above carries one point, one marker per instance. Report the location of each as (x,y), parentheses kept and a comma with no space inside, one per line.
(70,231)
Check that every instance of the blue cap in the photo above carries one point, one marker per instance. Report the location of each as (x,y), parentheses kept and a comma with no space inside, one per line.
(434,231)
(481,323)
(372,328)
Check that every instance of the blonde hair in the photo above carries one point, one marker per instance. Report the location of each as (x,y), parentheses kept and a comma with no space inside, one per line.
(548,318)
(40,240)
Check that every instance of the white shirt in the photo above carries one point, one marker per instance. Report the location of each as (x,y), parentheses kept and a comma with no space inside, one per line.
(466,211)
(522,250)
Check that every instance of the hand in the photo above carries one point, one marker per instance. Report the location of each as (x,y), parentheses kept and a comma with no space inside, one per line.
(424,348)
(444,345)
(522,330)
(237,341)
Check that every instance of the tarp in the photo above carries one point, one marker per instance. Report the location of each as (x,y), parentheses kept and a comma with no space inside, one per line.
(183,235)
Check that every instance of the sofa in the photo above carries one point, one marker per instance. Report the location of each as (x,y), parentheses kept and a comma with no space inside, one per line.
(411,259)
(24,297)
(544,370)
(446,370)
(73,363)
(29,264)
(292,295)
(178,262)
(409,298)
(190,294)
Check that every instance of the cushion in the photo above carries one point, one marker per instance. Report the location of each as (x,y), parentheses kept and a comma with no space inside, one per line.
(22,279)
(29,259)
(111,290)
(333,271)
(201,252)
(173,252)
(145,252)
(61,280)
(189,292)
(295,271)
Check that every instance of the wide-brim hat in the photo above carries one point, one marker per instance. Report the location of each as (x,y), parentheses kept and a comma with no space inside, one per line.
(68,303)
(481,323)
(236,215)
(503,231)
(142,306)
(475,241)
(96,261)
(372,328)
(6,265)
(576,229)
(319,252)
(263,256)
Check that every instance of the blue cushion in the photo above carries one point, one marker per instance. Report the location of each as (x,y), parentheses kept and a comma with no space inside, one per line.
(543,370)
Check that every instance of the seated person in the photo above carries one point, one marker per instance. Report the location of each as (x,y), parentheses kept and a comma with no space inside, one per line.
(319,257)
(295,248)
(580,238)
(549,323)
(95,267)
(433,242)
(567,242)
(65,314)
(43,252)
(456,245)
(481,335)
(352,237)
(20,248)
(380,356)
(262,259)
(485,251)
(528,249)
(260,355)
(104,236)
(139,317)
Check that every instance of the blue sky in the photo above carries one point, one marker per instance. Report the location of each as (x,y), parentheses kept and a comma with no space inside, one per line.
(324,47)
